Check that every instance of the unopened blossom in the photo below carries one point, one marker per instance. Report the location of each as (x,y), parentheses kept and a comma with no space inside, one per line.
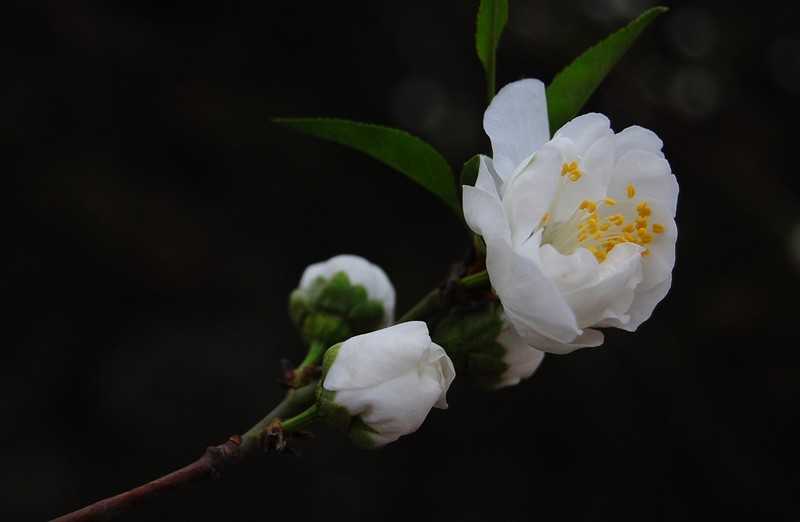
(484,346)
(580,229)
(381,385)
(341,297)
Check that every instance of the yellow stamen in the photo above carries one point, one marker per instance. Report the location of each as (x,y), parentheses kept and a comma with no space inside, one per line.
(588,206)
(617,219)
(631,191)
(609,201)
(643,209)
(566,168)
(658,228)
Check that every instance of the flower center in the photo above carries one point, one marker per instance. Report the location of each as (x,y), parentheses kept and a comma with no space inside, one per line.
(596,226)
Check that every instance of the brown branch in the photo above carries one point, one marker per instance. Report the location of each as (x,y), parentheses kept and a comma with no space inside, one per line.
(264,436)
(211,464)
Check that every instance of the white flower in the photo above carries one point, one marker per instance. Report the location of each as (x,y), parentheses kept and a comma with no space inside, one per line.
(360,272)
(521,360)
(390,379)
(580,230)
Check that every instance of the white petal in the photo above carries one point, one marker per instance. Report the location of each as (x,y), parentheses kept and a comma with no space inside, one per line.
(488,179)
(568,272)
(396,407)
(638,138)
(379,356)
(642,307)
(659,264)
(360,272)
(528,195)
(530,299)
(521,359)
(483,210)
(588,339)
(596,167)
(516,123)
(650,175)
(584,130)
(611,293)
(440,365)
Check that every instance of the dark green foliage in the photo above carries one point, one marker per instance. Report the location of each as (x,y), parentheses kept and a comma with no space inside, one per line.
(398,149)
(572,87)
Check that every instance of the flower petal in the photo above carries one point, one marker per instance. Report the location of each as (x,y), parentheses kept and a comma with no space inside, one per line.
(441,367)
(638,138)
(584,130)
(651,176)
(613,289)
(488,179)
(396,407)
(645,302)
(643,305)
(376,357)
(521,359)
(528,195)
(530,299)
(596,168)
(483,210)
(516,123)
(659,264)
(588,339)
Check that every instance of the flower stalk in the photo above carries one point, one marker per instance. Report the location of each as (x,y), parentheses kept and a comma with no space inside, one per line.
(301,420)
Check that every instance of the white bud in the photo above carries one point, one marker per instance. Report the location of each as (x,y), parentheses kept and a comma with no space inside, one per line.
(389,379)
(360,272)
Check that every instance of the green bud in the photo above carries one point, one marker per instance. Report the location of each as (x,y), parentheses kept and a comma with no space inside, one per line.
(330,310)
(325,328)
(298,306)
(469,336)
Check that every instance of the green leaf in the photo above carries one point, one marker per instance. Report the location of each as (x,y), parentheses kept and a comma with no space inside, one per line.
(573,86)
(492,18)
(397,149)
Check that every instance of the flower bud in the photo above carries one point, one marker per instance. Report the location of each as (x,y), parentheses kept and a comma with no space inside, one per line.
(341,297)
(485,347)
(381,385)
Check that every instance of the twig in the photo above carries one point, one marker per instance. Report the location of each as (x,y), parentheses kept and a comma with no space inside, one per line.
(211,464)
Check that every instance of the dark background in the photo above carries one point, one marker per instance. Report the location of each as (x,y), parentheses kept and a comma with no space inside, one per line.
(156,223)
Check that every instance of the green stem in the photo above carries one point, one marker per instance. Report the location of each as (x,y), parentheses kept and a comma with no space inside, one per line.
(434,300)
(424,308)
(302,419)
(315,352)
(475,281)
(295,400)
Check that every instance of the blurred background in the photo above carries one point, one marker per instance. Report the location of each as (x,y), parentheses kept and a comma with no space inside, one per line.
(157,221)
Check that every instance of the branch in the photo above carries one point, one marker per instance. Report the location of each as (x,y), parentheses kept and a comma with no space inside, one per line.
(211,464)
